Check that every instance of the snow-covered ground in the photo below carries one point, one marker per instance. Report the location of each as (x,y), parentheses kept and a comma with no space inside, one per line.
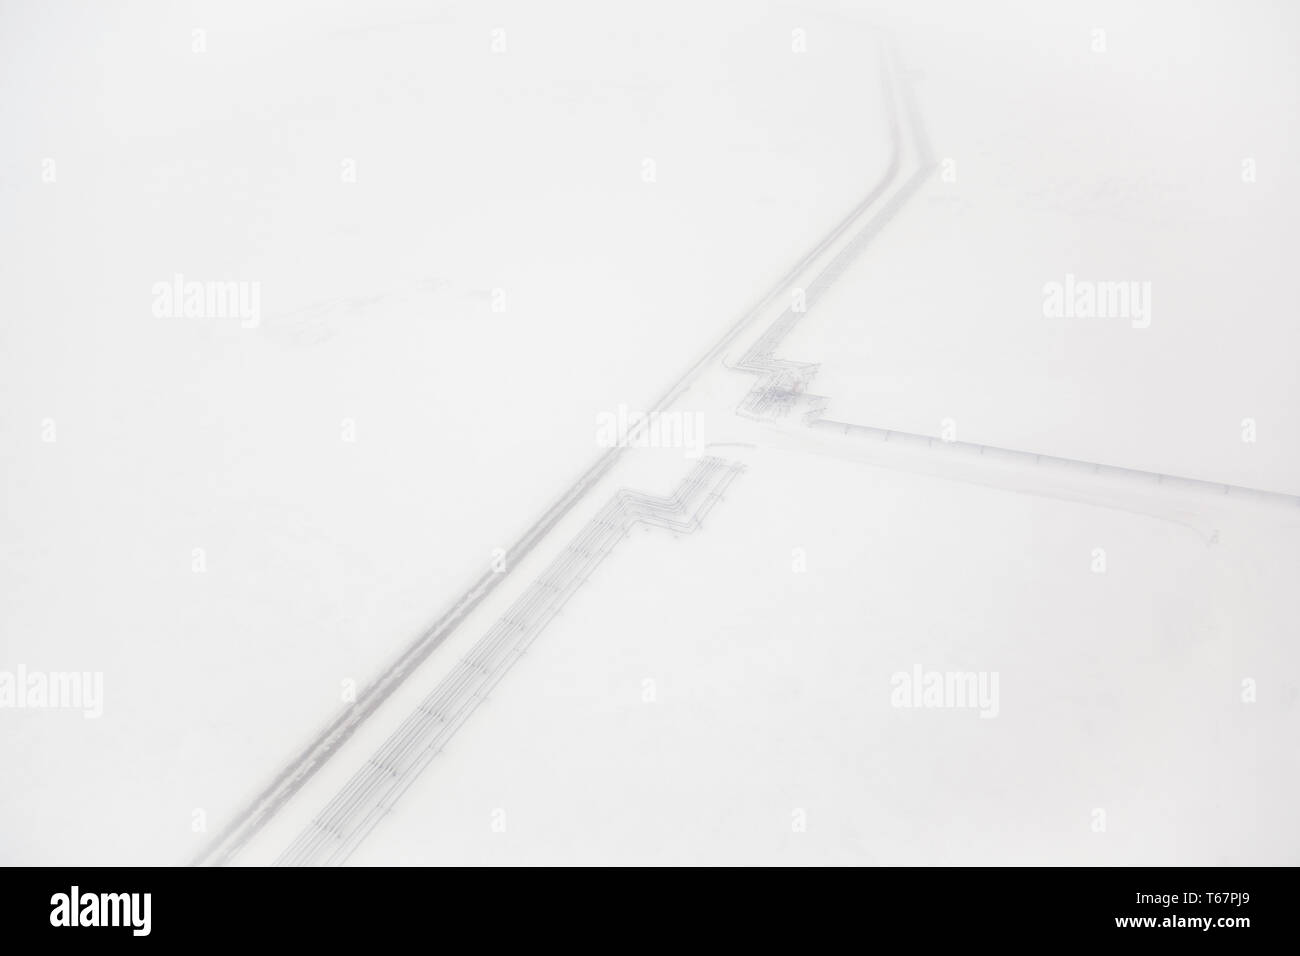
(475,171)
(1117,166)
(461,263)
(770,690)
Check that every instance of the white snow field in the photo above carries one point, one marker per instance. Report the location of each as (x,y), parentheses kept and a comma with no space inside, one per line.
(475,228)
(772,690)
(475,171)
(1122,166)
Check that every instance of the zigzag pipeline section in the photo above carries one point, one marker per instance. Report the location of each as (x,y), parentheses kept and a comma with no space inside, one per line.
(294,775)
(341,826)
(781,382)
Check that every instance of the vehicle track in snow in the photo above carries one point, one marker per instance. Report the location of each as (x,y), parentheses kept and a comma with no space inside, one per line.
(296,773)
(333,834)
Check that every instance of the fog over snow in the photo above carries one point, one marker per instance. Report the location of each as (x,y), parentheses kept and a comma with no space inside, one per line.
(952,512)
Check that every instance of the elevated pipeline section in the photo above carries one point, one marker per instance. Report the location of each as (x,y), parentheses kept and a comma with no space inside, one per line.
(344,823)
